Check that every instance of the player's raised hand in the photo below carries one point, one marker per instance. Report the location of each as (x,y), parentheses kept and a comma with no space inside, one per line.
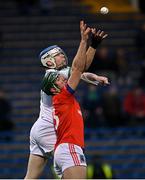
(84,31)
(97,37)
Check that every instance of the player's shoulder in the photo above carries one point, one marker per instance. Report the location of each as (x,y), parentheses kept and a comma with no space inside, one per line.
(65,71)
(65,93)
(50,70)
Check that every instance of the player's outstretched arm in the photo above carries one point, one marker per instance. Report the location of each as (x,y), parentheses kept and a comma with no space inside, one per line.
(96,39)
(79,61)
(94,79)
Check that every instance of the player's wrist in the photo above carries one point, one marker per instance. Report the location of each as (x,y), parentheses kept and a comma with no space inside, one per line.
(83,41)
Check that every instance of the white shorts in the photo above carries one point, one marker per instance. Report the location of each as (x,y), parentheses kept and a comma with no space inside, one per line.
(42,138)
(68,155)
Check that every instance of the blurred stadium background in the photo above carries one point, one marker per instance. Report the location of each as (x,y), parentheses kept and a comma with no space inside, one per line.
(26,27)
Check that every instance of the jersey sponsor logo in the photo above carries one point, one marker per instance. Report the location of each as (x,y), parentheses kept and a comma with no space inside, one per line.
(82,159)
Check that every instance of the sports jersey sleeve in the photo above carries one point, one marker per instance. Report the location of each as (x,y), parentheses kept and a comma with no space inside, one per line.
(69,89)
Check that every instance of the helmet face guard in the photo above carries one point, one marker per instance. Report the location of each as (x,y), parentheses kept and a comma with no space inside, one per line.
(48,54)
(48,82)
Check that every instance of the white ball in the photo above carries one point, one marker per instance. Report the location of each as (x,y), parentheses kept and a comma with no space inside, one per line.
(104,10)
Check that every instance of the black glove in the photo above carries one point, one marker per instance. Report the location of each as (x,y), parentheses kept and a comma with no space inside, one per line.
(95,41)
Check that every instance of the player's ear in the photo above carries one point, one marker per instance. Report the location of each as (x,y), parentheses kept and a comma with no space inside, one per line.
(53,90)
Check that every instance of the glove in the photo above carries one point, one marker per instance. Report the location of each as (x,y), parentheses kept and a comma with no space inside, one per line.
(95,41)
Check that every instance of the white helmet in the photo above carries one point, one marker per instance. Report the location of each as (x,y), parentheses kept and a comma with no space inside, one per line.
(49,53)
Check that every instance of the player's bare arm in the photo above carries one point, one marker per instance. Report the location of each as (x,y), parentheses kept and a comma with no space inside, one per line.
(96,39)
(79,61)
(94,79)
